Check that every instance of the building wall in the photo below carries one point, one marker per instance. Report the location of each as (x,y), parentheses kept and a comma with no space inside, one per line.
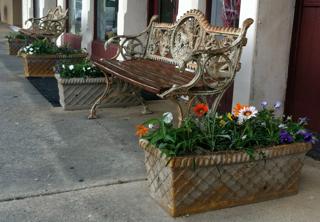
(265,59)
(7,11)
(27,11)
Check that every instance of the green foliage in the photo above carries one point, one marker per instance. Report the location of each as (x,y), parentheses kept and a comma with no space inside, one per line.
(81,70)
(228,132)
(16,35)
(43,46)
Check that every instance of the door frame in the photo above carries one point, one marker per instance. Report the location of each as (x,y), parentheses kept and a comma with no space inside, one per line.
(296,29)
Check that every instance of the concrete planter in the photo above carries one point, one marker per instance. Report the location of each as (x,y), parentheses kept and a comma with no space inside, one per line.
(192,184)
(43,65)
(16,44)
(81,93)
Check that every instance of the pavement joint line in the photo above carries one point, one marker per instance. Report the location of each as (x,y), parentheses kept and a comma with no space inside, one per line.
(118,182)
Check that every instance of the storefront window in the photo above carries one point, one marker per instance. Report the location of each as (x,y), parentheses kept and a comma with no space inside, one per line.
(107,12)
(75,8)
(225,13)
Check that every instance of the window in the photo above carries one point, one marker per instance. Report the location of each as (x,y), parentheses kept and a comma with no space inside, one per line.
(75,8)
(166,9)
(225,13)
(107,12)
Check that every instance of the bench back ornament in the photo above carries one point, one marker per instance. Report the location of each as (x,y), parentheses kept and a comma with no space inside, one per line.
(50,26)
(211,53)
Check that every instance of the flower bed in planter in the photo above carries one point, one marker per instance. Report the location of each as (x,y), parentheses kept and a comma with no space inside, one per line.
(16,42)
(80,85)
(41,57)
(184,185)
(216,161)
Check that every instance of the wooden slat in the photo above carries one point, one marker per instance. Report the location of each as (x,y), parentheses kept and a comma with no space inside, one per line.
(152,76)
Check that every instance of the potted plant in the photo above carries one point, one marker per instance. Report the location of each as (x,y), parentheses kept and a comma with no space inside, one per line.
(80,85)
(41,56)
(17,41)
(215,161)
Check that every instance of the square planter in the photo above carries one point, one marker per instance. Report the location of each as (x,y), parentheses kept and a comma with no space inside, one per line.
(43,65)
(16,44)
(192,184)
(81,93)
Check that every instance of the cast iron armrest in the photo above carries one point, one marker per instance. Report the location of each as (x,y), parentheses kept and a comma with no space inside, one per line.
(120,40)
(202,56)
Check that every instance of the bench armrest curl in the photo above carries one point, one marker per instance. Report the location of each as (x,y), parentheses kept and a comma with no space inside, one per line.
(121,40)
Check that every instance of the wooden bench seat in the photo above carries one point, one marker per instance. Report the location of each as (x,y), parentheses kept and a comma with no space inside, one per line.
(152,76)
(189,59)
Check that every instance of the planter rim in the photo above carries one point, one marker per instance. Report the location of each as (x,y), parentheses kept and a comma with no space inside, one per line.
(44,56)
(72,81)
(224,157)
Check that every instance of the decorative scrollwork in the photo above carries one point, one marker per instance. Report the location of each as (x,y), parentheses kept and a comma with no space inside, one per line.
(50,26)
(217,71)
(132,48)
(186,38)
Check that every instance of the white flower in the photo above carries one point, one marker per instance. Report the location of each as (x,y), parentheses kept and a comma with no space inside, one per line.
(244,137)
(282,126)
(167,117)
(89,68)
(83,68)
(150,126)
(63,66)
(247,113)
(30,53)
(31,49)
(71,67)
(277,105)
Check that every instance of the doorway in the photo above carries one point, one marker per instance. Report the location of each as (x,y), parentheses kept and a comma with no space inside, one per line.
(303,88)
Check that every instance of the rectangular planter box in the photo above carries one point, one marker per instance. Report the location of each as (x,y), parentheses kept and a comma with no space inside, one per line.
(43,65)
(192,184)
(16,44)
(81,93)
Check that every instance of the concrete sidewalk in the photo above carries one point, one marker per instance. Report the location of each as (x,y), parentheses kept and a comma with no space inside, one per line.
(60,166)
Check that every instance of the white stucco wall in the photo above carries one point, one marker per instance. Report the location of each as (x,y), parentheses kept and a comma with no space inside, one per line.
(132,16)
(242,83)
(45,5)
(27,11)
(265,59)
(186,5)
(87,24)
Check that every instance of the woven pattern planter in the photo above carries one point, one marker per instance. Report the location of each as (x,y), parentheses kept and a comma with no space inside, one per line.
(81,93)
(184,185)
(15,45)
(43,65)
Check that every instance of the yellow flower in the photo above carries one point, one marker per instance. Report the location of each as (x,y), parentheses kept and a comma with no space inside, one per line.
(229,115)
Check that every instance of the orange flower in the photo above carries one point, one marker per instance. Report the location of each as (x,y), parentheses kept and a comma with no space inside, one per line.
(200,109)
(141,130)
(237,108)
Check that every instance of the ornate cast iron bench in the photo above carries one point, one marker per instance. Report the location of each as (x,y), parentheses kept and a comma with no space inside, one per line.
(50,26)
(189,61)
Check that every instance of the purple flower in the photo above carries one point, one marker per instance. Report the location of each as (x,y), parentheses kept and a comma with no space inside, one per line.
(307,136)
(264,104)
(277,105)
(285,137)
